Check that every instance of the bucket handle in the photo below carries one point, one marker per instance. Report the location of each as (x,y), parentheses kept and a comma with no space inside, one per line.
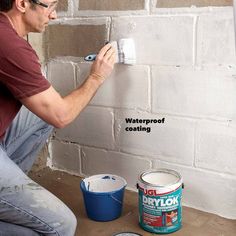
(116,199)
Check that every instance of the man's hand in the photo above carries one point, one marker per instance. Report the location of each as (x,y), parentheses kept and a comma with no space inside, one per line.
(104,63)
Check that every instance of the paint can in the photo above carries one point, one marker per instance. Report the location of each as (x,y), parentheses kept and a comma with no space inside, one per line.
(160,201)
(103,196)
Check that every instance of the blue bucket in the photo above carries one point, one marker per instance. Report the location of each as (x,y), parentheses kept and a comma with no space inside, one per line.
(103,196)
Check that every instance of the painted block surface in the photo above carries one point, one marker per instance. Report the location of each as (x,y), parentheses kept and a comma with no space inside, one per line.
(158,40)
(215,39)
(216,147)
(209,92)
(172,140)
(127,87)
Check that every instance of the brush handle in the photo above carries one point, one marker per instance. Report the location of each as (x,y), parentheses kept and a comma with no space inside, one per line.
(90,57)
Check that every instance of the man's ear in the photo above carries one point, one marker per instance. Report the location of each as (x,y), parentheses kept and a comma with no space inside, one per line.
(22,5)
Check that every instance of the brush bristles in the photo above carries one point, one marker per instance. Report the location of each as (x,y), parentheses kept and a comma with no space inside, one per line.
(125,49)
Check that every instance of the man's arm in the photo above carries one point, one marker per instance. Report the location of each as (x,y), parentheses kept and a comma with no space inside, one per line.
(58,111)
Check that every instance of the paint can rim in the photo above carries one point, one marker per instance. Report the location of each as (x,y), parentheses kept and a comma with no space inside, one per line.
(161,170)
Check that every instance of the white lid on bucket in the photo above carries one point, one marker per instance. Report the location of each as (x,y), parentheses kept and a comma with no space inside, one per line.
(104,183)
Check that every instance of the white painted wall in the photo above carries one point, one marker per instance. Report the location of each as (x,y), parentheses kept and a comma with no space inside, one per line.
(186,73)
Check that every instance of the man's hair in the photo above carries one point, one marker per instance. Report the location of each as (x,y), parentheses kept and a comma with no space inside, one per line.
(6,5)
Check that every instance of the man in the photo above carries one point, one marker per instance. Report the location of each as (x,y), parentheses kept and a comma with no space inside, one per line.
(26,208)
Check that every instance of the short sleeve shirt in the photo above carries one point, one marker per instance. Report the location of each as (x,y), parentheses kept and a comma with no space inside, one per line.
(20,73)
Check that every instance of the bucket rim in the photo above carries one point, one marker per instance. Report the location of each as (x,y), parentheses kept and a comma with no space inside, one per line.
(161,170)
(82,184)
(127,232)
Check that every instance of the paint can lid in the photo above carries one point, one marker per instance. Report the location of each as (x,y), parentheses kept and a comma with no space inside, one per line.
(127,234)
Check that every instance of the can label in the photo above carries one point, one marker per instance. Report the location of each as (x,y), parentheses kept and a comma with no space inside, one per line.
(160,213)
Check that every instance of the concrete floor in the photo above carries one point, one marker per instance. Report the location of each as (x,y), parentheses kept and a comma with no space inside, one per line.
(66,187)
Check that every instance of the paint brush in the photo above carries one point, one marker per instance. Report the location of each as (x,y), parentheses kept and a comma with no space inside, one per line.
(125,52)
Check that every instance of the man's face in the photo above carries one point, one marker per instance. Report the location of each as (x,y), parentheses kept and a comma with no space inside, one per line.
(39,14)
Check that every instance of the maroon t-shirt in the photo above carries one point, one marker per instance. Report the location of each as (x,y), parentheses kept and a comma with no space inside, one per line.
(20,73)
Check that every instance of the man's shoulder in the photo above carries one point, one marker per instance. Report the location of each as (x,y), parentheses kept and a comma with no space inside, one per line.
(10,38)
(11,43)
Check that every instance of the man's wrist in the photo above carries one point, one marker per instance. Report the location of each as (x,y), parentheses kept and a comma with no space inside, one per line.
(98,78)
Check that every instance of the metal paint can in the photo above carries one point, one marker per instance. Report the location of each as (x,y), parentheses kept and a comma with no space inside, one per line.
(160,201)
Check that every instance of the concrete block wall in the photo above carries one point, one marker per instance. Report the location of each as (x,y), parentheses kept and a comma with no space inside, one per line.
(185,76)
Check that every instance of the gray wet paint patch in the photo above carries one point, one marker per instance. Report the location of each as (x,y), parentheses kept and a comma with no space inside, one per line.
(21,187)
(15,188)
(35,205)
(4,188)
(56,224)
(34,186)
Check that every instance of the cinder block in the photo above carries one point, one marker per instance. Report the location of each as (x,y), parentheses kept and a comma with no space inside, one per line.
(171,141)
(65,156)
(208,92)
(189,3)
(62,5)
(157,39)
(75,38)
(216,147)
(127,87)
(96,161)
(206,190)
(215,39)
(62,77)
(111,5)
(93,127)
(36,41)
